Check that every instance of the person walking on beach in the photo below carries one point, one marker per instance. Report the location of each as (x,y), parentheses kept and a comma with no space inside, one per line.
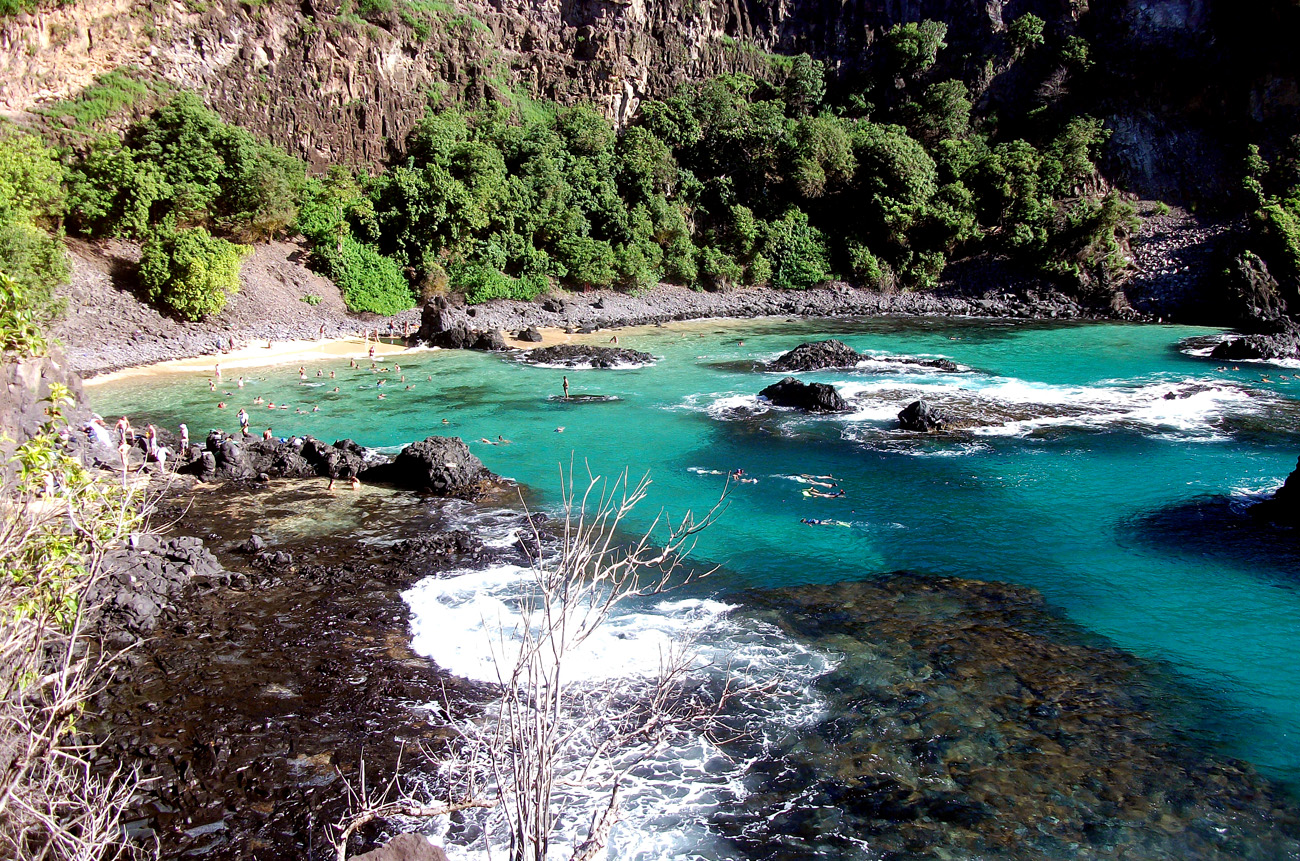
(218,370)
(566,388)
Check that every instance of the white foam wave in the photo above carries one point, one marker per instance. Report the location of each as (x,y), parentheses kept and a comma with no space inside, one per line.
(666,801)
(459,620)
(1187,407)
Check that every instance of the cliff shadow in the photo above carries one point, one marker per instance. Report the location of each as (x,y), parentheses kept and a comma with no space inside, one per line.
(1221,528)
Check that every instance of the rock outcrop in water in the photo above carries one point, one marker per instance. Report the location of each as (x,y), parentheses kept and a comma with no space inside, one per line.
(1284,506)
(816,356)
(813,397)
(1280,340)
(442,465)
(227,458)
(822,355)
(587,356)
(923,417)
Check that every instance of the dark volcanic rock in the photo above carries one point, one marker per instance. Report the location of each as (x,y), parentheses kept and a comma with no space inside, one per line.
(143,578)
(493,341)
(344,459)
(1284,506)
(531,335)
(1281,342)
(814,397)
(442,326)
(443,465)
(921,416)
(584,356)
(230,458)
(818,355)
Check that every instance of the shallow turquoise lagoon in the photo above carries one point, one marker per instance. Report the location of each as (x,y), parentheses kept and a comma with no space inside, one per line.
(1104,470)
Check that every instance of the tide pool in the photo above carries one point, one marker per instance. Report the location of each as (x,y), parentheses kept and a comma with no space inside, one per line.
(1103,462)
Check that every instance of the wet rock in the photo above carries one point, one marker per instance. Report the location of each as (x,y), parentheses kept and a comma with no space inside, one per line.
(587,356)
(143,578)
(531,335)
(344,459)
(405,847)
(814,397)
(818,355)
(230,458)
(1281,342)
(442,465)
(923,417)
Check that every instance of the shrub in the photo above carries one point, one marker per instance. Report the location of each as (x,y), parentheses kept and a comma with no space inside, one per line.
(31,205)
(482,283)
(190,271)
(37,262)
(914,47)
(20,331)
(110,193)
(1025,32)
(718,268)
(798,253)
(369,280)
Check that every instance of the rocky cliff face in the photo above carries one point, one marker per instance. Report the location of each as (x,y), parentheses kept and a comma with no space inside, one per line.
(333,87)
(24,386)
(1169,75)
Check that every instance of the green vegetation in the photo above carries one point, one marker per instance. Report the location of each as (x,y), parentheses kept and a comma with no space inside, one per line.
(112,95)
(190,271)
(728,181)
(1272,193)
(31,205)
(184,163)
(1026,32)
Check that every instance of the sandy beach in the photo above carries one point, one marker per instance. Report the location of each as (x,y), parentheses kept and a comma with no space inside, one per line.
(273,353)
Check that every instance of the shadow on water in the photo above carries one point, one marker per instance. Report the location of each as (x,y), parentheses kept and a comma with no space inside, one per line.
(1221,528)
(967,719)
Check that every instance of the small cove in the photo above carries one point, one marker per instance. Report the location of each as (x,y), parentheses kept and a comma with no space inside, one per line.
(1100,450)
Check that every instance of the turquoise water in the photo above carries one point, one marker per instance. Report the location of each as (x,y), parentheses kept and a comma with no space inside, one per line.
(1084,481)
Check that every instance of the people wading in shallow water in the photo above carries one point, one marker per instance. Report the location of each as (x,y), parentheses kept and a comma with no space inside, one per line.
(242,415)
(566,388)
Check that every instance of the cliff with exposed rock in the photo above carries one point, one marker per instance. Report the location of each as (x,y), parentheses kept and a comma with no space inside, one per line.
(1180,82)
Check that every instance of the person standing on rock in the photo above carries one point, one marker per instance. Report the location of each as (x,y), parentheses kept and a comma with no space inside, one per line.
(185,438)
(123,429)
(566,388)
